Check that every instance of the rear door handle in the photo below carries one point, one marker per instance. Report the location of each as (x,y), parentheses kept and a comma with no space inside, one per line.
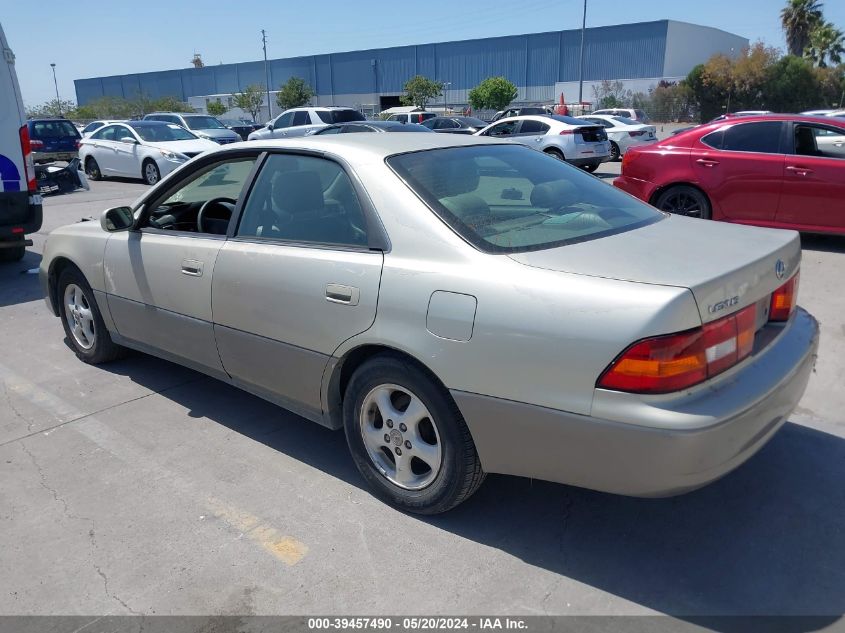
(801,171)
(707,162)
(338,293)
(192,267)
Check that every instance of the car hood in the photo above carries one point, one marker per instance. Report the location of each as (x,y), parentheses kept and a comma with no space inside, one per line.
(191,146)
(718,262)
(215,133)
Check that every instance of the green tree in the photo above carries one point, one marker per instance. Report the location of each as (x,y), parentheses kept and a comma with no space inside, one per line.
(798,19)
(215,108)
(792,86)
(250,100)
(826,43)
(294,93)
(54,107)
(494,93)
(420,90)
(171,104)
(611,94)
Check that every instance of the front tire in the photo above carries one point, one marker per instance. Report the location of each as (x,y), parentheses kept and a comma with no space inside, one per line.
(408,438)
(150,172)
(684,200)
(615,153)
(92,169)
(82,321)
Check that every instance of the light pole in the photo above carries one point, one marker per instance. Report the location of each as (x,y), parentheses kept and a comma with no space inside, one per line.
(445,92)
(56,84)
(267,75)
(581,59)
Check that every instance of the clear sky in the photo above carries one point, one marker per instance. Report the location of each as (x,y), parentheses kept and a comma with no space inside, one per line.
(90,39)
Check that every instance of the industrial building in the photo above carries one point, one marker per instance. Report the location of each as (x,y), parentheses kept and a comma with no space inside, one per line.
(541,65)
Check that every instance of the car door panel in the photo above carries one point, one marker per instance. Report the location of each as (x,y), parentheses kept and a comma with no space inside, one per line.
(813,196)
(159,292)
(126,158)
(277,320)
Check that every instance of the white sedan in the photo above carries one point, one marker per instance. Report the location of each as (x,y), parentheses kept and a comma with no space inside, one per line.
(623,132)
(139,149)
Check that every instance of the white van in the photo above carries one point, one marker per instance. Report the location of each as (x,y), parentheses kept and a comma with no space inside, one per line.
(20,203)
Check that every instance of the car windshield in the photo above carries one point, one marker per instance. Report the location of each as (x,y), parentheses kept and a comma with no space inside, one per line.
(340,116)
(506,199)
(625,120)
(472,122)
(203,123)
(163,132)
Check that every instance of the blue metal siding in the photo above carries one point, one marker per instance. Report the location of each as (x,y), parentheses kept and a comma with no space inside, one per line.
(533,62)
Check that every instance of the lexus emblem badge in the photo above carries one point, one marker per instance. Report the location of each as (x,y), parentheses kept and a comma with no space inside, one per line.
(780,269)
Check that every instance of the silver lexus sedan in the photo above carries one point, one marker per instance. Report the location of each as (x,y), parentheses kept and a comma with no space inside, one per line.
(458,305)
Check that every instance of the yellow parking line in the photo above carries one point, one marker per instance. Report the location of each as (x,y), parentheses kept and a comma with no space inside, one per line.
(286,548)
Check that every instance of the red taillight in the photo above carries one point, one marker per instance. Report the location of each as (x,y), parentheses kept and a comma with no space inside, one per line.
(35,144)
(784,300)
(78,143)
(28,165)
(567,132)
(670,363)
(17,230)
(637,133)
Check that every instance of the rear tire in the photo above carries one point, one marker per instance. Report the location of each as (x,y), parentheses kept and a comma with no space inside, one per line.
(150,172)
(684,200)
(424,463)
(92,169)
(14,254)
(615,154)
(83,324)
(556,153)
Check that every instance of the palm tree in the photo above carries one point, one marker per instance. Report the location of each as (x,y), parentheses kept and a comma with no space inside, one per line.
(826,43)
(799,18)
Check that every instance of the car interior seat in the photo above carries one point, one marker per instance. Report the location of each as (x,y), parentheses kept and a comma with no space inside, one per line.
(805,141)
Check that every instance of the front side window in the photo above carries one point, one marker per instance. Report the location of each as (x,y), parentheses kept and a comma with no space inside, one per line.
(340,116)
(507,198)
(124,132)
(304,199)
(205,201)
(284,120)
(761,137)
(816,140)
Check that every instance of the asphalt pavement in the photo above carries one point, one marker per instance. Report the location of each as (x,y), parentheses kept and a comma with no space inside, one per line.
(144,487)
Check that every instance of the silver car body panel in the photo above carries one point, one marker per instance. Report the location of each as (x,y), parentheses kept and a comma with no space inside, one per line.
(519,340)
(573,149)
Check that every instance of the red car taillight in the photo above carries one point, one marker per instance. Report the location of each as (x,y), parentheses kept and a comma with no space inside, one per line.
(566,132)
(670,363)
(636,133)
(78,144)
(784,300)
(26,148)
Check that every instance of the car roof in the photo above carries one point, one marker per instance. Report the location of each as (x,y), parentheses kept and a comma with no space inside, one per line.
(143,123)
(711,126)
(369,146)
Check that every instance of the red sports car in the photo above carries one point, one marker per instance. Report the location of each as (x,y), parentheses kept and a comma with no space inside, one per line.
(783,171)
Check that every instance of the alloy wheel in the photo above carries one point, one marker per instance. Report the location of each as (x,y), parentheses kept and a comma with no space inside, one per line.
(682,203)
(79,316)
(400,436)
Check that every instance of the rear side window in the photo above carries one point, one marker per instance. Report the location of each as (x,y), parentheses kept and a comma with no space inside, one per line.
(507,198)
(761,137)
(340,116)
(304,199)
(530,126)
(300,117)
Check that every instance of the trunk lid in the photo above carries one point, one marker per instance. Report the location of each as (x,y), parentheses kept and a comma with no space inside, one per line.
(726,266)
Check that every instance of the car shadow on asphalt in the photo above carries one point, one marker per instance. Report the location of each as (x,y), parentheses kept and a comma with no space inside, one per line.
(825,243)
(767,539)
(16,284)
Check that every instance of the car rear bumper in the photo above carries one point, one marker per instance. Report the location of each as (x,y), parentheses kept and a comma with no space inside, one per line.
(641,189)
(49,157)
(733,419)
(20,214)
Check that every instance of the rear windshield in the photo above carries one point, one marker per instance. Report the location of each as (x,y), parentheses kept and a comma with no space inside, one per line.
(53,129)
(340,116)
(203,123)
(508,199)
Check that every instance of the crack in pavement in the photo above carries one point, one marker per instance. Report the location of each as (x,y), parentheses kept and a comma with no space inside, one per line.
(14,409)
(92,533)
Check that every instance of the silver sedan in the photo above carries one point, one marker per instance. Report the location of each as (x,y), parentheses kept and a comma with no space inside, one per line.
(458,305)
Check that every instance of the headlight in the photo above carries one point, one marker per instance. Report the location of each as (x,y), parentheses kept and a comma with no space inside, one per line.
(171,155)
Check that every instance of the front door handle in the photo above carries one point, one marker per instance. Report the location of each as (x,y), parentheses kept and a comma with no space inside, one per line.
(801,171)
(707,162)
(192,267)
(338,293)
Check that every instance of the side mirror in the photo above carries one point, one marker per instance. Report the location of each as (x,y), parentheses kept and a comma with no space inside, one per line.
(117,219)
(269,125)
(129,139)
